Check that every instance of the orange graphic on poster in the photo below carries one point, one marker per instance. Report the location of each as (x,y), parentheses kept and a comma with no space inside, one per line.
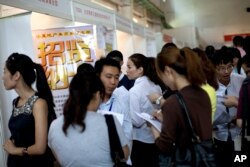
(60,51)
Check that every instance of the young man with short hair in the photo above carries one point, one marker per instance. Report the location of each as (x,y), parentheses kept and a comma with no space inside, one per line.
(123,79)
(115,99)
(225,129)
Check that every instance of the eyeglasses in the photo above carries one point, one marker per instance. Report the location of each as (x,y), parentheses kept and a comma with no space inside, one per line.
(224,69)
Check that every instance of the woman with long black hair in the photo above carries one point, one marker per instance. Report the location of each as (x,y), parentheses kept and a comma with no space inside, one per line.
(33,111)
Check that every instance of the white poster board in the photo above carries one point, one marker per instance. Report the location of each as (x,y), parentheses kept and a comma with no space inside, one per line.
(125,45)
(139,41)
(10,42)
(150,43)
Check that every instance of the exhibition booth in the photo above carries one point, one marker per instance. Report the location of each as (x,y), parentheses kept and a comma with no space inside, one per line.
(60,35)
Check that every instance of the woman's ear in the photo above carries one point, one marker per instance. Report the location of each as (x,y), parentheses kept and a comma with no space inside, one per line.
(140,70)
(16,76)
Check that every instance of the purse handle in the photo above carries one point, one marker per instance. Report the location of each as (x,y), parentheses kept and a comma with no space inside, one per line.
(195,137)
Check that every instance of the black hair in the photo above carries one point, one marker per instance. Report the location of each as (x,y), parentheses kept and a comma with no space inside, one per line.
(238,40)
(82,89)
(246,60)
(246,45)
(30,72)
(223,56)
(210,51)
(236,54)
(116,55)
(152,75)
(148,65)
(86,68)
(99,64)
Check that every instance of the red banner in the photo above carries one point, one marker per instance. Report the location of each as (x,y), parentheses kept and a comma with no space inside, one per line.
(229,38)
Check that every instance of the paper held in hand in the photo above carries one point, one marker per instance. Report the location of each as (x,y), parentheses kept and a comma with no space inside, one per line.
(149,118)
(118,116)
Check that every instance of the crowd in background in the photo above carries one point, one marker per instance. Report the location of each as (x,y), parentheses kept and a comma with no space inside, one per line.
(210,82)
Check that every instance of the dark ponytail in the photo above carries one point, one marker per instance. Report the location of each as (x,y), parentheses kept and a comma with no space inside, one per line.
(82,89)
(32,72)
(44,91)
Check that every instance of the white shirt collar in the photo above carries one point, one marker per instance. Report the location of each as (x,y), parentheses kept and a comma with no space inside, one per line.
(141,79)
(121,76)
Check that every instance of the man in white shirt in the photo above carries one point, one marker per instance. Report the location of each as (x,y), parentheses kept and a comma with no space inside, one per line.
(123,79)
(226,108)
(115,99)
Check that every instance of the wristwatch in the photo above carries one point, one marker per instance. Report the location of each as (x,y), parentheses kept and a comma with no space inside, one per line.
(158,100)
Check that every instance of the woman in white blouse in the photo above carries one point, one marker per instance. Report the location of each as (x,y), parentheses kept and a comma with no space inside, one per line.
(144,151)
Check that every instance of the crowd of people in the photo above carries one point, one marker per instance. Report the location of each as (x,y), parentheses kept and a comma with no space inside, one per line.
(210,82)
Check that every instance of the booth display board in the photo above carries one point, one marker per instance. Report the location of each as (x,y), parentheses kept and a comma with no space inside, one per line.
(124,39)
(103,21)
(2,153)
(139,41)
(123,24)
(60,51)
(105,38)
(58,8)
(138,30)
(159,39)
(88,14)
(16,36)
(151,47)
(150,43)
(124,45)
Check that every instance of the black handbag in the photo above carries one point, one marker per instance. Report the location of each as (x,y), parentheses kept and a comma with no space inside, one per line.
(116,152)
(200,153)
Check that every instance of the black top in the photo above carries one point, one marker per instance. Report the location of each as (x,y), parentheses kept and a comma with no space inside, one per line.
(22,128)
(126,82)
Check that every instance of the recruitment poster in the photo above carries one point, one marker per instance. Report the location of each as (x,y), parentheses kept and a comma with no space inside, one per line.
(60,51)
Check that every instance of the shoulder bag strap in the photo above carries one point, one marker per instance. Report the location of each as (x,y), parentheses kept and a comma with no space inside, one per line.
(195,137)
(114,140)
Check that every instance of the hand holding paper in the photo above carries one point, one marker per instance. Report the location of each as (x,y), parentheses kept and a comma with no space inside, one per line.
(149,118)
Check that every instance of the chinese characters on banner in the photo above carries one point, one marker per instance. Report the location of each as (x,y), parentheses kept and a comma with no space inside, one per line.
(60,51)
